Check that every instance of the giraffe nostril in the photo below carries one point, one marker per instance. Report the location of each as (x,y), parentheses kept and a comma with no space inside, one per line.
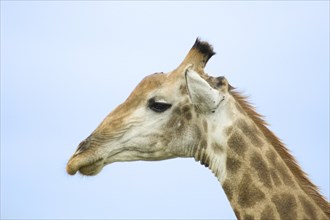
(83,146)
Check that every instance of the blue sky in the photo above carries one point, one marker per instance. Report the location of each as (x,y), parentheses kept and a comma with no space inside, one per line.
(66,65)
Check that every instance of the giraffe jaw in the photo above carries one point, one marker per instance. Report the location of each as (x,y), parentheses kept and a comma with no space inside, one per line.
(90,164)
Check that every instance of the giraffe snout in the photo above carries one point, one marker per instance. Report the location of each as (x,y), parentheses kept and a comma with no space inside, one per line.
(85,159)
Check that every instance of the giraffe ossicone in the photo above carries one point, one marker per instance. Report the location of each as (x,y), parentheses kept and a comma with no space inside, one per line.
(187,113)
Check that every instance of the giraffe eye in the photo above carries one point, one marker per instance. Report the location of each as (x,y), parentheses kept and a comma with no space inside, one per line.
(158,106)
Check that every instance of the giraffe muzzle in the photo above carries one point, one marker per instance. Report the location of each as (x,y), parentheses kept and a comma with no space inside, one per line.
(85,164)
(85,160)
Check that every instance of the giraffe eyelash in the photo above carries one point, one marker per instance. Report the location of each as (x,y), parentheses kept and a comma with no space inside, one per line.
(158,106)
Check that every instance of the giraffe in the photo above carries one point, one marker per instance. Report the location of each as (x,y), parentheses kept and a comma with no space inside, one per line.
(187,113)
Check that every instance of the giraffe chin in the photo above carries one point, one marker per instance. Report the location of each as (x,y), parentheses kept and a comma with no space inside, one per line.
(91,170)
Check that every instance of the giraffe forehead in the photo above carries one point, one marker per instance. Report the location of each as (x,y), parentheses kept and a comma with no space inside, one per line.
(149,84)
(139,95)
(157,84)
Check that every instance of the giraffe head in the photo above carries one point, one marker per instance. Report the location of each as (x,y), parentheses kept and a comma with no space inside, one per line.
(163,118)
(186,113)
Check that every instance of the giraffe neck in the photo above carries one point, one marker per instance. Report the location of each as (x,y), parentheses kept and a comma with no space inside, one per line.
(256,180)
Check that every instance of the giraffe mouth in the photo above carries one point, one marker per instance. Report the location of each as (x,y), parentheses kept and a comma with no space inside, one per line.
(85,166)
(89,164)
(92,169)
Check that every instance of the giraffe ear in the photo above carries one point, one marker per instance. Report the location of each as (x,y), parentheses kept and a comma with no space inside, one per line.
(201,93)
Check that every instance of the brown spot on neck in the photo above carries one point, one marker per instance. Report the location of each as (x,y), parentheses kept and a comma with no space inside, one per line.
(286,205)
(260,166)
(232,165)
(248,217)
(249,194)
(251,132)
(237,144)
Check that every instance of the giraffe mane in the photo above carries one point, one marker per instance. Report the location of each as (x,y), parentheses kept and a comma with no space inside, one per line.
(303,180)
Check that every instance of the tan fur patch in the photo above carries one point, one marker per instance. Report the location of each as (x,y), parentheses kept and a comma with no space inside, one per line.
(285,176)
(239,108)
(275,178)
(308,207)
(267,213)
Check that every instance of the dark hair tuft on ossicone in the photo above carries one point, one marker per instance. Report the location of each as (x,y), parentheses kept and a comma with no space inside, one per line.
(205,48)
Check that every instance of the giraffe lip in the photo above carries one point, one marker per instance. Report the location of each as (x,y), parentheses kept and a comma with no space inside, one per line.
(85,166)
(89,162)
(92,169)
